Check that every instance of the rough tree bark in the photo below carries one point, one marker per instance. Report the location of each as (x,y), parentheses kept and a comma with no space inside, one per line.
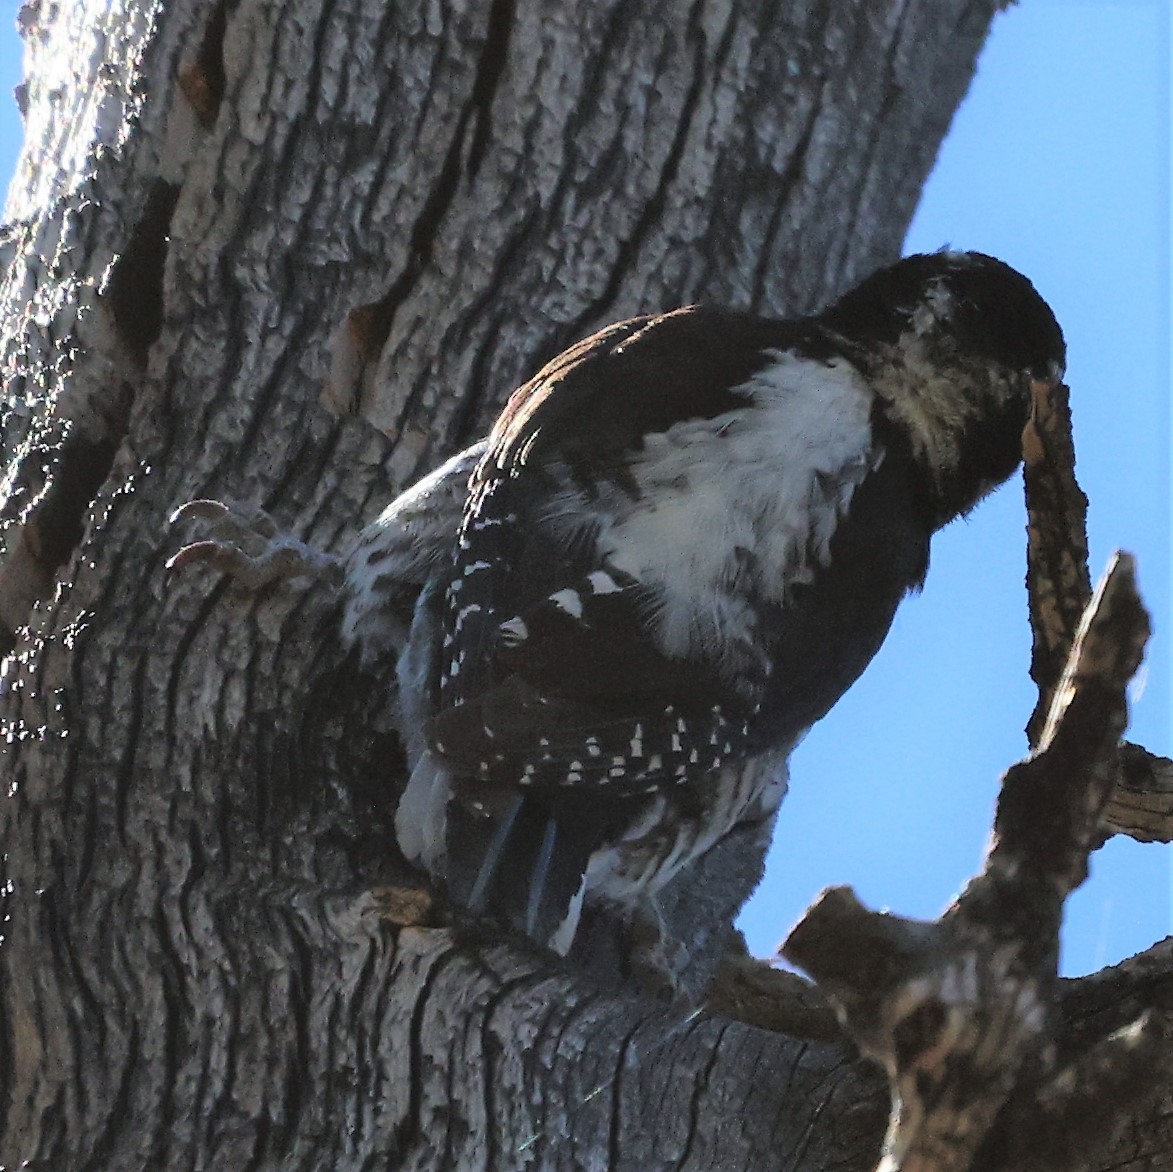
(292,252)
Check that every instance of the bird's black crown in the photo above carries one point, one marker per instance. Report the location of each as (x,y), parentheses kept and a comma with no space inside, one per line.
(995,312)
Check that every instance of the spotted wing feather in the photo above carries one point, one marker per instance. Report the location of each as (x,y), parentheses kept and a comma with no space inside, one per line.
(585,700)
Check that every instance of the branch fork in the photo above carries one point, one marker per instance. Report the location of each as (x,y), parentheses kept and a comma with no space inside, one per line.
(962,1013)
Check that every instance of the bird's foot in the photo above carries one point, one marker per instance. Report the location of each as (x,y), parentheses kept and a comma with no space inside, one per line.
(242,540)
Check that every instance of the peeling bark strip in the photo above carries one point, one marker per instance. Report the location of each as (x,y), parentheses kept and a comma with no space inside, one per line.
(1057,579)
(204,961)
(962,1014)
(1058,589)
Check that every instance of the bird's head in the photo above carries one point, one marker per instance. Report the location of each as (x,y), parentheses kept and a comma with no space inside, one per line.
(952,343)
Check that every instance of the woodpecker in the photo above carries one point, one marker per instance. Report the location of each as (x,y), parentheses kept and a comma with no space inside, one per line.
(683,540)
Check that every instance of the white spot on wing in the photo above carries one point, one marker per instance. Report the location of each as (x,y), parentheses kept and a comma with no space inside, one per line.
(637,741)
(568,601)
(602,583)
(513,631)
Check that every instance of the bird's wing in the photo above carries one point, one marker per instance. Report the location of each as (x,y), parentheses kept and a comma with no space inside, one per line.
(550,674)
(581,697)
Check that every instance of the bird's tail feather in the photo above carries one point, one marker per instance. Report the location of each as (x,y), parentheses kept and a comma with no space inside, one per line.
(514,859)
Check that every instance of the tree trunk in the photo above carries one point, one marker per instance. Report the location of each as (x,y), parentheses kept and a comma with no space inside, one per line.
(243,233)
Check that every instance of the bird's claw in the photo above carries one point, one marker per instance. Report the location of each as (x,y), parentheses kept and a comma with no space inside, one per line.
(241,517)
(242,540)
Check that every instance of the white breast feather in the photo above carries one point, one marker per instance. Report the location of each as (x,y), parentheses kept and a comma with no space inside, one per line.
(772,479)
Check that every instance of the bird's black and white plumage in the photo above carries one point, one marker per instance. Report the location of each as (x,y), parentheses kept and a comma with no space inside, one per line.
(682,542)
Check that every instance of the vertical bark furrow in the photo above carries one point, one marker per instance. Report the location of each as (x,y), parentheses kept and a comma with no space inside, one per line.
(614,1096)
(788,181)
(496,1104)
(494,56)
(652,212)
(697,1098)
(410,1133)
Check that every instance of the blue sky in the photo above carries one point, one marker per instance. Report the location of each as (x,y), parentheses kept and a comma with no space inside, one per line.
(1058,162)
